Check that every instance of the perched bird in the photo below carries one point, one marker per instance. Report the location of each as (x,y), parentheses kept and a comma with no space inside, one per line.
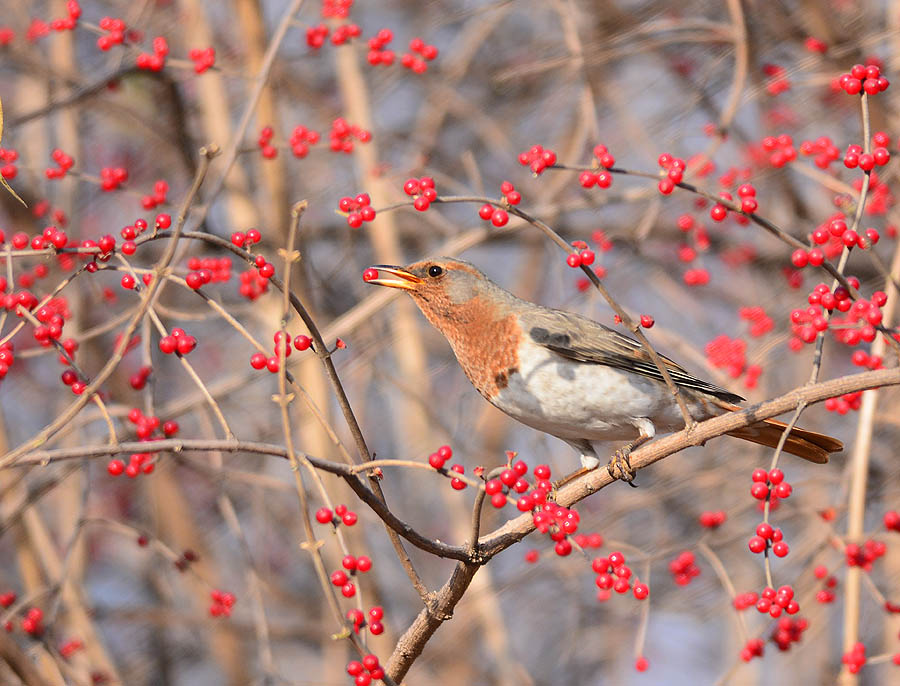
(565,374)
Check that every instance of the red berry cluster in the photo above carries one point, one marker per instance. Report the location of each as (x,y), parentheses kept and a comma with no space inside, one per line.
(760,322)
(160,189)
(37,29)
(864,555)
(361,564)
(813,44)
(825,595)
(773,480)
(855,659)
(377,53)
(253,284)
(744,600)
(112,177)
(582,255)
(300,140)
(823,148)
(139,379)
(26,299)
(614,575)
(115,33)
(137,463)
(747,193)
(537,159)
(341,135)
(774,602)
(339,9)
(203,58)
(788,631)
(778,82)
(867,161)
(779,150)
(589,179)
(863,78)
(269,151)
(341,515)
(156,60)
(64,161)
(438,458)
(358,209)
(281,340)
(556,521)
(67,23)
(207,270)
(365,672)
(422,190)
(713,519)
(753,648)
(33,622)
(419,56)
(358,619)
(245,240)
(316,35)
(221,604)
(8,170)
(509,479)
(107,244)
(696,277)
(674,172)
(767,535)
(724,352)
(52,317)
(591,540)
(345,32)
(861,320)
(177,342)
(844,403)
(683,568)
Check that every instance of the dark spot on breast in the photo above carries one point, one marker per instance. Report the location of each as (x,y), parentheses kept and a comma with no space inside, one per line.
(501,379)
(544,337)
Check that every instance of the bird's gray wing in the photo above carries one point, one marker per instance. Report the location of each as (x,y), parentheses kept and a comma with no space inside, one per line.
(579,338)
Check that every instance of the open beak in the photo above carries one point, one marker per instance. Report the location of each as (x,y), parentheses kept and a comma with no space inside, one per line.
(403,279)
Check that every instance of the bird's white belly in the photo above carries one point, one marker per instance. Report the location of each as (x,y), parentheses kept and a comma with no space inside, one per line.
(578,400)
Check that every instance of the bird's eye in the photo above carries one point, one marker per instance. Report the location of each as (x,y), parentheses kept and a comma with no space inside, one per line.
(435,271)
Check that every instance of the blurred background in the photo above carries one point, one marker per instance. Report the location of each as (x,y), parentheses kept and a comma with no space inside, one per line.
(704,81)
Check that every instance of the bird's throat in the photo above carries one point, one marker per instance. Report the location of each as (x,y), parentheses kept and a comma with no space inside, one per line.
(484,339)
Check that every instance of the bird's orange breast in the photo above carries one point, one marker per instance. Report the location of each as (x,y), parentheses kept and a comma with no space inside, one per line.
(485,340)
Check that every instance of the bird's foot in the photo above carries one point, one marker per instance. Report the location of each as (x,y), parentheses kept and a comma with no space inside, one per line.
(619,467)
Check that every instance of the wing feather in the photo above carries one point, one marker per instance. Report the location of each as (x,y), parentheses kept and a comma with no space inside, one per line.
(579,338)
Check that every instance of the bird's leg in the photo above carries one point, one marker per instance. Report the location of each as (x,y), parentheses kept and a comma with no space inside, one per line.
(619,467)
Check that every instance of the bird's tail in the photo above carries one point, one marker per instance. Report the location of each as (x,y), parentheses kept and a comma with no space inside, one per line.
(810,445)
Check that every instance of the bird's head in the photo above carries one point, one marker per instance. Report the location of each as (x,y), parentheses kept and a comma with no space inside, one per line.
(448,291)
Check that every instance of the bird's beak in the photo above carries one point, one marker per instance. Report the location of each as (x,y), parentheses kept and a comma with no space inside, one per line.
(405,280)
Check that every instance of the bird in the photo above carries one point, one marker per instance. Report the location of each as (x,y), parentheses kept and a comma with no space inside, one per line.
(567,375)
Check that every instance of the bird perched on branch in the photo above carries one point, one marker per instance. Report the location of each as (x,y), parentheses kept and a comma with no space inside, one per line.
(565,374)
